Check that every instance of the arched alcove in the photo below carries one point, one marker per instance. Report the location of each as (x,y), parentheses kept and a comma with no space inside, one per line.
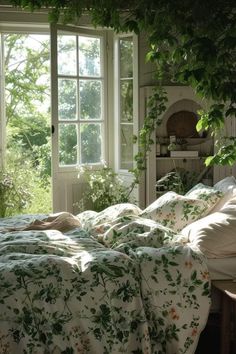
(182,105)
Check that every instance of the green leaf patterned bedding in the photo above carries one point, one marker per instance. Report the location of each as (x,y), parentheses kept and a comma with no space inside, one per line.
(117,284)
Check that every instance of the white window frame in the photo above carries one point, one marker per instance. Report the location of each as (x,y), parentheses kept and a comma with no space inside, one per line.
(117,98)
(54,92)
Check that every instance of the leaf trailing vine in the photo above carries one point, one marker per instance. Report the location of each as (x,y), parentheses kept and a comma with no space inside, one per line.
(155,108)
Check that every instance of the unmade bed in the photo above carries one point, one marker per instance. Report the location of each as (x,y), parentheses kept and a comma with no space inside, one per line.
(124,280)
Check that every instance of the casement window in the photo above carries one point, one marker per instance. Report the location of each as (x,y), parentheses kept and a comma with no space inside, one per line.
(78,87)
(126,99)
(91,122)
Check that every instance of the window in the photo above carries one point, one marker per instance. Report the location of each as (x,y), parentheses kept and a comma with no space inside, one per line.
(80,99)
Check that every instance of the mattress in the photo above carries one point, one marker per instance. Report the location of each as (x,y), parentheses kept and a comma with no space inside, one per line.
(220,269)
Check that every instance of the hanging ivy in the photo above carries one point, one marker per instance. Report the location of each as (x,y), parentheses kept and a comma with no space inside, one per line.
(155,108)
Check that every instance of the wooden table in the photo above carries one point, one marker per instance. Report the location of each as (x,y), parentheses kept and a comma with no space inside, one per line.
(227,289)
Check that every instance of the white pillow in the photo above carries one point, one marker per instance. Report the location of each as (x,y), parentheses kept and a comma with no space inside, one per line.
(228,187)
(215,234)
(175,211)
(209,194)
(225,184)
(231,193)
(230,207)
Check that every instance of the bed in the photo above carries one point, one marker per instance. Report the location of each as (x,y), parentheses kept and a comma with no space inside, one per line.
(124,280)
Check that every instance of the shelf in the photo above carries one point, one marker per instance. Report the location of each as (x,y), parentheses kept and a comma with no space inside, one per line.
(181,158)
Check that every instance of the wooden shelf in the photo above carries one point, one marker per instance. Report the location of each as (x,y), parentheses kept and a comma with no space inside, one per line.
(181,158)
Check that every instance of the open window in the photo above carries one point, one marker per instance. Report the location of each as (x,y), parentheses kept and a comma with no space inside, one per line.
(79,107)
(90,121)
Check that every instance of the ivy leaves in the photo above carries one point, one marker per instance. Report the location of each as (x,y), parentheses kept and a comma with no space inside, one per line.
(155,108)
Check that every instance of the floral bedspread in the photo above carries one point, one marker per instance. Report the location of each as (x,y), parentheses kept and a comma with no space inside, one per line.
(117,284)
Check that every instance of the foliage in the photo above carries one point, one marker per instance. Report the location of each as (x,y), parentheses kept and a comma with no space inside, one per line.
(27,88)
(192,43)
(41,201)
(26,63)
(14,190)
(155,107)
(22,189)
(179,181)
(103,189)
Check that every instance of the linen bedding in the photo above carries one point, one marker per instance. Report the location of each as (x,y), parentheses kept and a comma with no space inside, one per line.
(115,284)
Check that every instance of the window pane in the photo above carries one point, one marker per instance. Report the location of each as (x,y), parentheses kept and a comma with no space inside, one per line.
(91,143)
(126,92)
(89,56)
(66,55)
(67,99)
(126,134)
(90,99)
(67,144)
(126,57)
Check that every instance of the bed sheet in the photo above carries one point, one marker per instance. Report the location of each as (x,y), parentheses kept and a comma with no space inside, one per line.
(115,285)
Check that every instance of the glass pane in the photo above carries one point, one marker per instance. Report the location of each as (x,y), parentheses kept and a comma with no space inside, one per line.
(90,92)
(91,143)
(126,101)
(126,134)
(67,144)
(67,99)
(89,56)
(126,57)
(66,55)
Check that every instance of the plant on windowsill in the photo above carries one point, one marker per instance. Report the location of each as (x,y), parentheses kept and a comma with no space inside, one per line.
(103,188)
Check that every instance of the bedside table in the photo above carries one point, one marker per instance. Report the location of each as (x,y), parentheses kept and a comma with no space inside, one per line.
(227,289)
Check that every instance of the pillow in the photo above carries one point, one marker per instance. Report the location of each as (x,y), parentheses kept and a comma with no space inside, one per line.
(115,211)
(225,184)
(230,207)
(228,187)
(209,194)
(175,211)
(231,193)
(215,234)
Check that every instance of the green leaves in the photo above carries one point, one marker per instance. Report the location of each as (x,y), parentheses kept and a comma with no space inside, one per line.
(226,154)
(103,188)
(155,108)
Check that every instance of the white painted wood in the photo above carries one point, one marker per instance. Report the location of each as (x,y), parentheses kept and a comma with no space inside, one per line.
(221,172)
(179,98)
(125,175)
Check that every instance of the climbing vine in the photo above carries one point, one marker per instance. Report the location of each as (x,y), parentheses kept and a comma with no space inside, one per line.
(155,108)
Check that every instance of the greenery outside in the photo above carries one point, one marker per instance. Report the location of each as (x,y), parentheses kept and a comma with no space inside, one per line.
(26,178)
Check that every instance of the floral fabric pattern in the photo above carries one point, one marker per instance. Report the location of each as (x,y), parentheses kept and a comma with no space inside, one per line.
(117,285)
(209,194)
(176,211)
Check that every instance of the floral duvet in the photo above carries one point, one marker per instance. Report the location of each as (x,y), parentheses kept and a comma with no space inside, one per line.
(117,284)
